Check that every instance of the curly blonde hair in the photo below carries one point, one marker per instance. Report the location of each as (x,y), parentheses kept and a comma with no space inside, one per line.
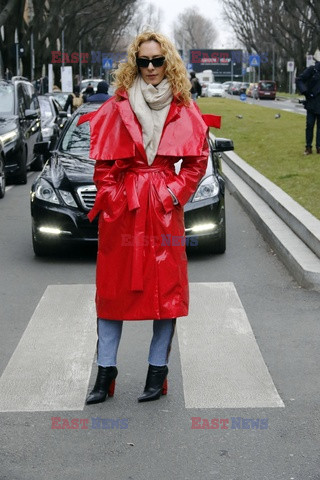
(175,70)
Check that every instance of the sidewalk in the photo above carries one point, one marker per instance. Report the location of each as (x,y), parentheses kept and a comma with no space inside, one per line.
(292,232)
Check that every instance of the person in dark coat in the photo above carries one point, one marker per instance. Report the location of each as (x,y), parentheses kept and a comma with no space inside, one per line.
(102,93)
(308,83)
(88,92)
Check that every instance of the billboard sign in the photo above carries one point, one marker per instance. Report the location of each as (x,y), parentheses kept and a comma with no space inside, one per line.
(219,61)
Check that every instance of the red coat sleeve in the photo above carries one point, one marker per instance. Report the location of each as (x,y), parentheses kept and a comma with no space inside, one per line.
(192,170)
(105,186)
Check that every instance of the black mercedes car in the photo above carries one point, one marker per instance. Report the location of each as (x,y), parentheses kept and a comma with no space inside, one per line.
(64,192)
(20,127)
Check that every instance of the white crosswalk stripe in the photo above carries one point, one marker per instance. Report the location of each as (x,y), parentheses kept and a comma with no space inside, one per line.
(51,365)
(221,362)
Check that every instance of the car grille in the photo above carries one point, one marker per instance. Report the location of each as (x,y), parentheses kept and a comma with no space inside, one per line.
(87,196)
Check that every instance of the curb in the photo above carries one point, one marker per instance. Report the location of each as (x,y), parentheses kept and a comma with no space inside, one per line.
(292,231)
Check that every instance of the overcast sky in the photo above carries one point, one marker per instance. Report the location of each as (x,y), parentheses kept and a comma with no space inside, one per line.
(211,9)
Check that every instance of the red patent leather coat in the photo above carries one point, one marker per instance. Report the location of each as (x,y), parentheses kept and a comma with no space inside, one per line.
(141,263)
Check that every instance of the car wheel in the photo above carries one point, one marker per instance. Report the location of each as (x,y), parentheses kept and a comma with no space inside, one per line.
(38,164)
(2,179)
(22,176)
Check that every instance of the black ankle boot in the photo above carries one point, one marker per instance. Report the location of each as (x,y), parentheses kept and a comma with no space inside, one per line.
(105,385)
(156,383)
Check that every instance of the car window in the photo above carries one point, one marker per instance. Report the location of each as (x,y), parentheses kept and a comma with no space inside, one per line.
(21,101)
(45,107)
(77,138)
(6,98)
(27,95)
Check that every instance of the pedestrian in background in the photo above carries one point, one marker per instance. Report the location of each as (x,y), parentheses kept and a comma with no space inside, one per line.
(102,93)
(136,138)
(74,100)
(195,86)
(308,83)
(88,92)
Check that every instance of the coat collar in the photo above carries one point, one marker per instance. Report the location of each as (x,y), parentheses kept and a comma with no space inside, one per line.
(131,122)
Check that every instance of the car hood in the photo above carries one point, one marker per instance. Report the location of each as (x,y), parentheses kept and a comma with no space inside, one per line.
(8,123)
(63,170)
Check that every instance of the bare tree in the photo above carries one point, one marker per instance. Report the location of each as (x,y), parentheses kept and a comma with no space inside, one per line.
(99,23)
(146,15)
(283,29)
(192,30)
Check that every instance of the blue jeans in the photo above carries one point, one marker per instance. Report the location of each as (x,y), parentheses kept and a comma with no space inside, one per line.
(109,334)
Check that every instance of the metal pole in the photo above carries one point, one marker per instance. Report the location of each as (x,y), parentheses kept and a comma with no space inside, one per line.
(273,63)
(62,47)
(80,62)
(16,40)
(32,56)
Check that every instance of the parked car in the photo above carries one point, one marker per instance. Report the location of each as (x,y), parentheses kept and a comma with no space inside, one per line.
(20,127)
(267,89)
(226,85)
(252,90)
(243,87)
(234,88)
(2,173)
(215,90)
(93,81)
(64,193)
(53,118)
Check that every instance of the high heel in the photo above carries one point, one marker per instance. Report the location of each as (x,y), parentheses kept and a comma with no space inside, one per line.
(156,383)
(105,385)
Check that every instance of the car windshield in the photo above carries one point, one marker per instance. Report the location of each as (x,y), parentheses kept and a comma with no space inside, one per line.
(215,85)
(45,107)
(61,98)
(6,99)
(76,140)
(267,86)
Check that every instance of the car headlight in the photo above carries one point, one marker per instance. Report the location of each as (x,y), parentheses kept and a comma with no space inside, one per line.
(9,136)
(68,198)
(44,191)
(208,188)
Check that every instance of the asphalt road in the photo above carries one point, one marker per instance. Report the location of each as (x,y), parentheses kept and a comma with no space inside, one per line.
(260,306)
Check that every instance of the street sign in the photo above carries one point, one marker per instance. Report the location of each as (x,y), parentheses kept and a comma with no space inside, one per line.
(254,60)
(290,66)
(107,63)
(243,97)
(309,60)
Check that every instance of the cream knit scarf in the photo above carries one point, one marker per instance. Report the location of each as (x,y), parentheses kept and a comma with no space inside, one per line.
(151,106)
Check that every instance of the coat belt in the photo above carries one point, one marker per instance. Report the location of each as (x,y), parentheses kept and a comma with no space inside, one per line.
(140,206)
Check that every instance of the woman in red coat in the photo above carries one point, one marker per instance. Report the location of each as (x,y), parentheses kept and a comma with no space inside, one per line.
(136,138)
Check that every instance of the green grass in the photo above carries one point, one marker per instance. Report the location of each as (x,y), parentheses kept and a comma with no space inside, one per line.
(272,146)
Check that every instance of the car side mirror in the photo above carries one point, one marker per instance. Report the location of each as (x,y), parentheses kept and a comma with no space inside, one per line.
(41,148)
(222,145)
(63,115)
(31,114)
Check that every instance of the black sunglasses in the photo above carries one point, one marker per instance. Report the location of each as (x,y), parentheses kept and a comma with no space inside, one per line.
(156,62)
